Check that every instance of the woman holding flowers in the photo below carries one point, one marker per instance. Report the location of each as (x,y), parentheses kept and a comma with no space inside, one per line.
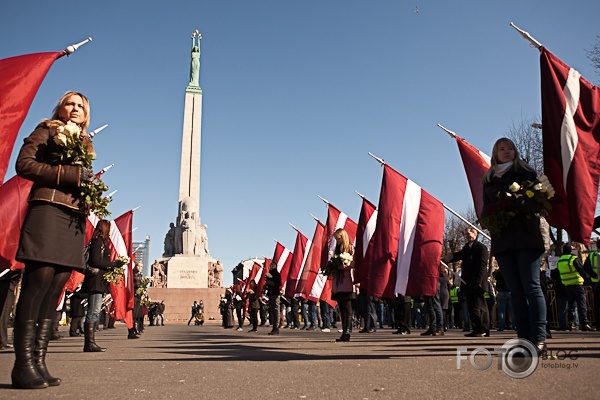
(513,199)
(94,284)
(341,269)
(52,237)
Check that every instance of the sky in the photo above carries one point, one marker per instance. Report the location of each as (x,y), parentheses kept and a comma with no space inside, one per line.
(295,96)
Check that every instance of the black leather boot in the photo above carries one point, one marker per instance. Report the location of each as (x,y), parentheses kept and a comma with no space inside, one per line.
(24,374)
(44,331)
(89,344)
(132,334)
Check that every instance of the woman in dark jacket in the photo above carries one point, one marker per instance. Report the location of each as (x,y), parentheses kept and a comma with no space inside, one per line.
(444,294)
(254,304)
(52,235)
(94,284)
(517,241)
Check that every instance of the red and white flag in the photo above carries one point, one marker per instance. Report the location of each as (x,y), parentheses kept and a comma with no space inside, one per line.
(254,275)
(571,136)
(363,252)
(335,219)
(262,279)
(121,238)
(408,239)
(283,258)
(13,207)
(313,264)
(297,265)
(20,79)
(476,164)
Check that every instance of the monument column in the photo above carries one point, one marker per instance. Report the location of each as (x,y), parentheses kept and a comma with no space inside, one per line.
(189,180)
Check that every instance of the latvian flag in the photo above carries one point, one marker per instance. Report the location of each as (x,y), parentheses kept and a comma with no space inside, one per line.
(283,258)
(121,239)
(297,265)
(313,264)
(408,239)
(261,281)
(571,135)
(363,253)
(476,164)
(335,219)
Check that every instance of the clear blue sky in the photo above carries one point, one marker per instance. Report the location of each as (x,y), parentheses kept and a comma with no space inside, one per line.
(295,94)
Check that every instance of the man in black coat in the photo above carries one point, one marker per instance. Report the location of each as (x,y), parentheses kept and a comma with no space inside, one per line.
(474,256)
(273,285)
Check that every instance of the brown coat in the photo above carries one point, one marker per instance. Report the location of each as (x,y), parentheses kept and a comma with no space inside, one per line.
(58,184)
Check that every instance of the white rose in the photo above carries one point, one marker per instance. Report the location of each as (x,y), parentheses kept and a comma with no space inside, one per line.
(60,139)
(72,129)
(514,187)
(538,187)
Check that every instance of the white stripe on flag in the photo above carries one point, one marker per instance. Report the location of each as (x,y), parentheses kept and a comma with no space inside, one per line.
(119,244)
(318,286)
(369,231)
(485,157)
(282,259)
(568,131)
(340,223)
(410,213)
(302,266)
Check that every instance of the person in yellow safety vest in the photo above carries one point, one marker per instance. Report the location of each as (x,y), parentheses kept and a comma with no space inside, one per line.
(572,276)
(456,309)
(591,267)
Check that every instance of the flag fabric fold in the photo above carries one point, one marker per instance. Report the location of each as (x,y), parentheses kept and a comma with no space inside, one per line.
(121,238)
(571,136)
(476,164)
(20,79)
(363,252)
(283,258)
(297,264)
(313,264)
(408,239)
(13,207)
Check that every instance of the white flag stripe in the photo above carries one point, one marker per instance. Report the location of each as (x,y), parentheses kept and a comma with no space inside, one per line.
(93,218)
(282,259)
(318,286)
(340,224)
(410,213)
(369,231)
(302,266)
(568,130)
(485,157)
(119,244)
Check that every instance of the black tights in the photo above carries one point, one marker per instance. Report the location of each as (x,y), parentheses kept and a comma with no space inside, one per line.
(42,286)
(346,313)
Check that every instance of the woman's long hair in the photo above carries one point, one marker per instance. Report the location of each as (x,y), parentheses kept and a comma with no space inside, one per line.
(343,242)
(86,106)
(494,162)
(102,231)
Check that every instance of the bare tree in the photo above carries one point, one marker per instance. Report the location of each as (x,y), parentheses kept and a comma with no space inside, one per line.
(527,136)
(594,55)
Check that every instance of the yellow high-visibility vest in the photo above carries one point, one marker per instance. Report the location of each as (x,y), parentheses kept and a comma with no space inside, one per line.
(594,264)
(568,274)
(454,295)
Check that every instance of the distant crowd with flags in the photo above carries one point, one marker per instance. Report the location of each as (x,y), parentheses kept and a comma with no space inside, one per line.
(391,259)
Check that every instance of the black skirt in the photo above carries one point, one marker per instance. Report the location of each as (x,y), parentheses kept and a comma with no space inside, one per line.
(52,234)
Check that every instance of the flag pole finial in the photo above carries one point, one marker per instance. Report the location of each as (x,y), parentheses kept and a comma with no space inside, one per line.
(448,131)
(71,49)
(296,229)
(380,160)
(527,36)
(356,191)
(97,131)
(137,208)
(110,195)
(316,219)
(324,200)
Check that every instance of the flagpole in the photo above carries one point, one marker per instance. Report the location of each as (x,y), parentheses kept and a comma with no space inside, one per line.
(448,131)
(380,160)
(296,229)
(527,36)
(97,131)
(361,196)
(453,272)
(324,201)
(469,223)
(72,48)
(138,207)
(316,219)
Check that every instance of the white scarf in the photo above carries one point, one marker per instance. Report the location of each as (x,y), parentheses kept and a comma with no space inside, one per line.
(502,168)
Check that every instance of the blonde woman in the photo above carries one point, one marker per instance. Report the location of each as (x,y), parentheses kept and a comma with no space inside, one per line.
(343,280)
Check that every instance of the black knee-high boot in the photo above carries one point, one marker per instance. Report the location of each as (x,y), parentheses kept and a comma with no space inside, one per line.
(89,343)
(24,374)
(44,331)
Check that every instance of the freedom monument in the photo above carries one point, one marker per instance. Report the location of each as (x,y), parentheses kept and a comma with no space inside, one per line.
(187,262)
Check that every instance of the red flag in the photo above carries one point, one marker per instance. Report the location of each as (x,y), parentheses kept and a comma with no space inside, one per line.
(571,136)
(13,207)
(313,264)
(408,239)
(283,258)
(335,220)
(476,164)
(297,264)
(363,252)
(254,272)
(20,79)
(121,239)
(262,280)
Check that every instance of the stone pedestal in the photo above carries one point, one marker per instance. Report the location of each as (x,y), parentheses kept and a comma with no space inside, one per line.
(178,303)
(188,272)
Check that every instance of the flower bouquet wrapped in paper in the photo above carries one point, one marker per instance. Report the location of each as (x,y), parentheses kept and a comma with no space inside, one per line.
(336,262)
